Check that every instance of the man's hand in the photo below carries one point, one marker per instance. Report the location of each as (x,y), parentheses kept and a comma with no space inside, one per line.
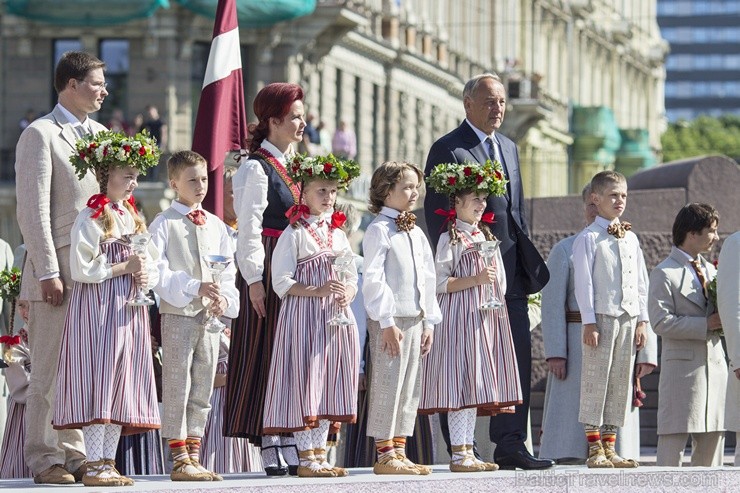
(392,337)
(427,338)
(257,297)
(52,291)
(557,367)
(640,335)
(713,322)
(590,335)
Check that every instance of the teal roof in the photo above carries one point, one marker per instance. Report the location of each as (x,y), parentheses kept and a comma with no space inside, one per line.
(256,13)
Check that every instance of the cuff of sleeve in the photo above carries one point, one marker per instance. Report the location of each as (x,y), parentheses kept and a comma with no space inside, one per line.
(51,275)
(588,318)
(254,279)
(388,322)
(108,272)
(192,288)
(429,327)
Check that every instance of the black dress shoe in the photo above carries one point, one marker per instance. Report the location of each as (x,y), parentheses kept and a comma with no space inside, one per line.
(292,470)
(522,460)
(276,471)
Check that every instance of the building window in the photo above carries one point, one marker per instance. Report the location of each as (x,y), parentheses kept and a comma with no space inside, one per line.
(115,54)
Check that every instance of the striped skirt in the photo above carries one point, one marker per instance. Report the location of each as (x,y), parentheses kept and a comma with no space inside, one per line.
(472,362)
(252,340)
(218,453)
(105,372)
(12,464)
(140,455)
(314,367)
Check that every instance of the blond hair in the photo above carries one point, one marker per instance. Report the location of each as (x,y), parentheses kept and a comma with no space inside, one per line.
(603,179)
(106,219)
(385,178)
(182,160)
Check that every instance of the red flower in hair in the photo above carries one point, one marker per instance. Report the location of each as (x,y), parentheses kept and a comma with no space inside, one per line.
(105,150)
(92,145)
(452,180)
(499,176)
(467,171)
(716,263)
(127,148)
(82,155)
(309,172)
(478,179)
(327,168)
(142,151)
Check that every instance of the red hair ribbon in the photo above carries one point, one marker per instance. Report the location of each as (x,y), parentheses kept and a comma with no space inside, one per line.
(298,211)
(10,340)
(132,202)
(98,203)
(449,215)
(338,219)
(487,217)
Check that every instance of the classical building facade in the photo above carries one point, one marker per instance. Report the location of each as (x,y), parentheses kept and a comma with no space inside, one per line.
(585,77)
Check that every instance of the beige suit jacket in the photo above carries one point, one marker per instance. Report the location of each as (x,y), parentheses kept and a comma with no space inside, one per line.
(49,197)
(728,304)
(693,374)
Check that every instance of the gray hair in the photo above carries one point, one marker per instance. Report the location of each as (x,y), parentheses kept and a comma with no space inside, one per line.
(353,216)
(586,191)
(472,84)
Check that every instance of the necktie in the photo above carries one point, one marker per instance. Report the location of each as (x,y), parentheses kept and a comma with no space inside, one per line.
(405,221)
(618,230)
(198,217)
(700,274)
(495,155)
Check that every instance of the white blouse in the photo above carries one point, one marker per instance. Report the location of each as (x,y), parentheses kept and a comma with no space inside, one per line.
(87,263)
(297,243)
(250,201)
(448,255)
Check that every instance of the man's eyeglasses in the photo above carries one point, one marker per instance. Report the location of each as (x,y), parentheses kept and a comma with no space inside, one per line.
(96,85)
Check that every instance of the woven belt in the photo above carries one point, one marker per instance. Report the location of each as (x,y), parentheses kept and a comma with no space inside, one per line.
(274,233)
(573,317)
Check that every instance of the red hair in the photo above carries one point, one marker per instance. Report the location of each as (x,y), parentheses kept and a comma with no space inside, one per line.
(273,101)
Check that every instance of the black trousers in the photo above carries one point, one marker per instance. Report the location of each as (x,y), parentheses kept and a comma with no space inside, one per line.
(509,431)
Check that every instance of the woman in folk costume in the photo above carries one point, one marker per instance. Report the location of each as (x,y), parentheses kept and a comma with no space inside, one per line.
(263,193)
(105,381)
(315,361)
(17,357)
(471,369)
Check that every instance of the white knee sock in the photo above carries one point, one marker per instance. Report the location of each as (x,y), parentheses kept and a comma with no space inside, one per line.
(110,445)
(289,450)
(94,436)
(457,423)
(319,436)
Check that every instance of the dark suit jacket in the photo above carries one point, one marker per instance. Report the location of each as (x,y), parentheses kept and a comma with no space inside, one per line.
(526,271)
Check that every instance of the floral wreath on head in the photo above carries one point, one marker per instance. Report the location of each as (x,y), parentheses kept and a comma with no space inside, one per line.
(107,148)
(454,178)
(343,171)
(303,168)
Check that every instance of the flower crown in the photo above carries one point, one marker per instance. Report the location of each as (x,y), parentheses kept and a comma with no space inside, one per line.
(454,178)
(328,167)
(107,148)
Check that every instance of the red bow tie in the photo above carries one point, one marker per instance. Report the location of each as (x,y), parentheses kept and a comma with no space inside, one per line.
(198,217)
(298,211)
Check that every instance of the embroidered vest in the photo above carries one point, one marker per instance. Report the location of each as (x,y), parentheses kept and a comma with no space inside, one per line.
(615,276)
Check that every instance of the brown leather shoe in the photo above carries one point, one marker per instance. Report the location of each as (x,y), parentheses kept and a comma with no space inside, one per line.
(79,472)
(56,474)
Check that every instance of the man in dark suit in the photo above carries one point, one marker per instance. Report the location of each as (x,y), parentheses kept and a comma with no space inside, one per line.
(476,140)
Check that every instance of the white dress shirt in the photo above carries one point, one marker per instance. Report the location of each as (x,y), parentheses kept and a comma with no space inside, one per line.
(584,249)
(250,201)
(379,299)
(297,243)
(86,262)
(178,288)
(448,255)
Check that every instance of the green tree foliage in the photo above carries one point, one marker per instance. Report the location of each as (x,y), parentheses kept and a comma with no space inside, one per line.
(702,136)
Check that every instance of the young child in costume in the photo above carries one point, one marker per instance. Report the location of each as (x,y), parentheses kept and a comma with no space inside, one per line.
(105,381)
(401,303)
(17,375)
(471,369)
(314,365)
(611,289)
(184,234)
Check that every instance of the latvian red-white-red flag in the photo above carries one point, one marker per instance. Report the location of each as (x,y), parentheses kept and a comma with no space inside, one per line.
(221,124)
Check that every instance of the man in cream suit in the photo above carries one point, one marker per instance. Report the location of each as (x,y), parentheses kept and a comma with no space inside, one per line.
(52,196)
(693,374)
(728,303)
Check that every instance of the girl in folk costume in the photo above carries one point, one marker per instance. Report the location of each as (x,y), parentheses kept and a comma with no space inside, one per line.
(17,357)
(314,369)
(471,369)
(105,382)
(263,192)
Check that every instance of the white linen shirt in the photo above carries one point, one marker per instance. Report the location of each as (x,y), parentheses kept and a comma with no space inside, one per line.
(379,299)
(297,243)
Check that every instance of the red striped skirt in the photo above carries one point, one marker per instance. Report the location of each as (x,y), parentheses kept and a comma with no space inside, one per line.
(314,368)
(472,362)
(105,372)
